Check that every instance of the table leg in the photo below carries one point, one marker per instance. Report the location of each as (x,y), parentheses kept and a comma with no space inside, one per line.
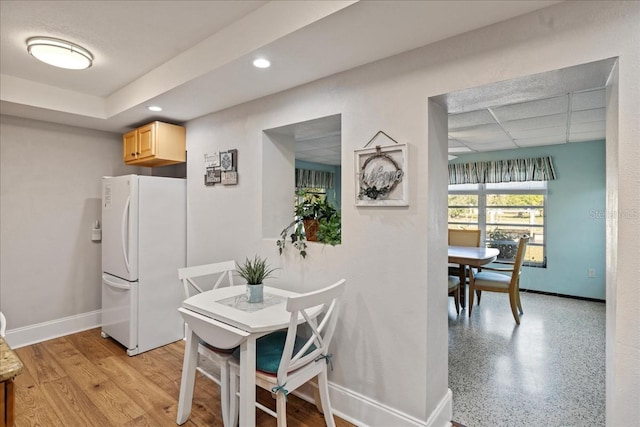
(463,286)
(248,382)
(188,377)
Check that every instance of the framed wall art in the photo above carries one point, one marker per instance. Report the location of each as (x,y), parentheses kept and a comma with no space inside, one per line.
(221,168)
(381,176)
(229,178)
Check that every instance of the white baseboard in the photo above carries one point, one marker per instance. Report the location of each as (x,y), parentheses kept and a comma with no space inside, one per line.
(365,412)
(33,334)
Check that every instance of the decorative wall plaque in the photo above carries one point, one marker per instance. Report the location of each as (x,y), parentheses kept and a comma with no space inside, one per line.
(221,168)
(382,178)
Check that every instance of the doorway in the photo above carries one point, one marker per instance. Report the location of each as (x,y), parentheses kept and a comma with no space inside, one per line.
(558,83)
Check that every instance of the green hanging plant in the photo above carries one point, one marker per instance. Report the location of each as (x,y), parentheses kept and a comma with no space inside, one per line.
(315,209)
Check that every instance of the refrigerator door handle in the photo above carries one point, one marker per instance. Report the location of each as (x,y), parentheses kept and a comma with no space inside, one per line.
(125,225)
(115,284)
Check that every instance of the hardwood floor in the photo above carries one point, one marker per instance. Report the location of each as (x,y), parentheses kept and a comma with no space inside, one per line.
(85,380)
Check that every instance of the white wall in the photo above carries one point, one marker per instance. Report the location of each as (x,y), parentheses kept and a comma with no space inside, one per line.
(391,355)
(50,198)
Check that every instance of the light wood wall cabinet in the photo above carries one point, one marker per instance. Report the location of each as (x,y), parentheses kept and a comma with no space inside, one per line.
(155,144)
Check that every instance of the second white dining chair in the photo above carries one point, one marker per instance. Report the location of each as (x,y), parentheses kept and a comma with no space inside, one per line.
(216,272)
(286,360)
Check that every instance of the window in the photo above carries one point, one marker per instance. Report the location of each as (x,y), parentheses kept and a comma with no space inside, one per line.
(503,212)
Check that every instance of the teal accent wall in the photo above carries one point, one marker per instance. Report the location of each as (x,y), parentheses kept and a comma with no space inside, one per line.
(575,218)
(334,196)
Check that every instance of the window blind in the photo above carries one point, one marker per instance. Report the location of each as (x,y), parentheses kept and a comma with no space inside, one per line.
(306,178)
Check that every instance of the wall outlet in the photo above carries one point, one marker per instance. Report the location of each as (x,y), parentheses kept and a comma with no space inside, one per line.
(592,273)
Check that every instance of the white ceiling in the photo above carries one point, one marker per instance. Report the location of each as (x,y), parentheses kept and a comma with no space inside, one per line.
(560,106)
(577,116)
(556,107)
(193,58)
(318,141)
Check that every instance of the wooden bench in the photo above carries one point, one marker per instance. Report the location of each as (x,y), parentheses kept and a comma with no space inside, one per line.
(10,366)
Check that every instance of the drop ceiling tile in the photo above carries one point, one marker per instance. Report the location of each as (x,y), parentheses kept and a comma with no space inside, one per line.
(488,129)
(455,143)
(324,152)
(525,110)
(589,100)
(586,136)
(493,146)
(459,150)
(536,122)
(556,131)
(543,140)
(473,118)
(585,116)
(588,127)
(311,144)
(485,139)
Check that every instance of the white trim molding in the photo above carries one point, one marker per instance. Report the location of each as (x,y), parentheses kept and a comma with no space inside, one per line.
(34,334)
(366,412)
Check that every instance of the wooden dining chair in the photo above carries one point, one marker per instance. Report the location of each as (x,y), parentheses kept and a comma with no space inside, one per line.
(216,273)
(285,360)
(469,238)
(454,291)
(464,237)
(490,279)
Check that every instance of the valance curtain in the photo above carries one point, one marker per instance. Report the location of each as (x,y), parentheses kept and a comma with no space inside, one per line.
(306,178)
(514,170)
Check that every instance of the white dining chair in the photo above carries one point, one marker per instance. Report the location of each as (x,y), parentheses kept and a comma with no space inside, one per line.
(285,360)
(3,324)
(216,356)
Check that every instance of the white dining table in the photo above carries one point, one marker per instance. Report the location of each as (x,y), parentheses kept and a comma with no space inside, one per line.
(472,256)
(223,318)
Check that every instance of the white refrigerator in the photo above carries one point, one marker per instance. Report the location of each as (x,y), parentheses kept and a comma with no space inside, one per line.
(143,245)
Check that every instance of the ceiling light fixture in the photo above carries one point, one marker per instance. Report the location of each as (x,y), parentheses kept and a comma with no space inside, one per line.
(261,63)
(154,108)
(59,53)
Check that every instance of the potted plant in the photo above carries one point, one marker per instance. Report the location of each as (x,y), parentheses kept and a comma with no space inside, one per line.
(255,272)
(315,221)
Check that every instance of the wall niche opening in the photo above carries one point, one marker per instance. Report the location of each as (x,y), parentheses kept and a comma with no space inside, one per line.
(301,172)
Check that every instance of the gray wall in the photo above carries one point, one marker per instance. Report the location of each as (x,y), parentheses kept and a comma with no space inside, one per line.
(50,198)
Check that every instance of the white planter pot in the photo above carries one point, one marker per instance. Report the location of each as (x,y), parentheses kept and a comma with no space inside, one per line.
(255,293)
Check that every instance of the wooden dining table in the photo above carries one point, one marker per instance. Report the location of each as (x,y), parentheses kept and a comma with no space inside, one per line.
(470,256)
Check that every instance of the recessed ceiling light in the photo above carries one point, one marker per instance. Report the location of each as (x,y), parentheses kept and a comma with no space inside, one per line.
(261,63)
(59,53)
(154,108)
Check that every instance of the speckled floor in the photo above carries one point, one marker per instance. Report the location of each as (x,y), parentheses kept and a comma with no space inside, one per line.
(547,372)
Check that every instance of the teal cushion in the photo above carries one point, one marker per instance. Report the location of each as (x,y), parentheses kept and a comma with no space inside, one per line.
(269,350)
